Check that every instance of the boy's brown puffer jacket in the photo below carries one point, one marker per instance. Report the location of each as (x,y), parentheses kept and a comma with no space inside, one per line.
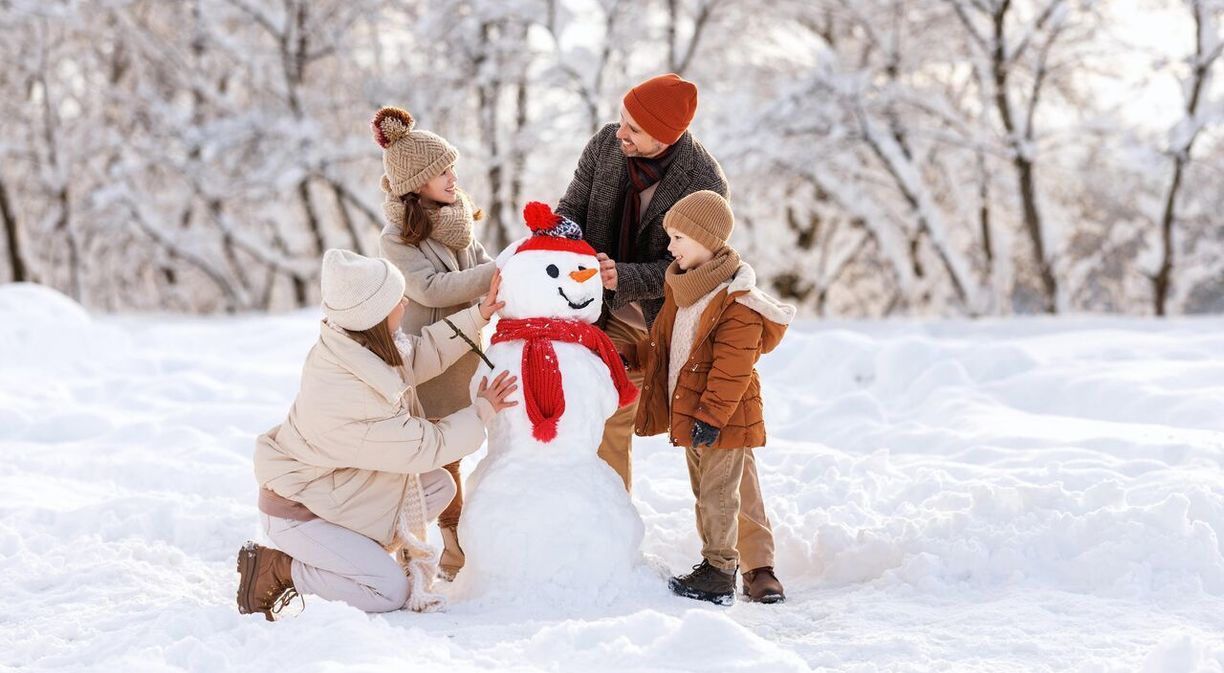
(719,383)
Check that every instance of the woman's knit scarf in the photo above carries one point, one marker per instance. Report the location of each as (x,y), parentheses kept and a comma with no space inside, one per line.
(452,223)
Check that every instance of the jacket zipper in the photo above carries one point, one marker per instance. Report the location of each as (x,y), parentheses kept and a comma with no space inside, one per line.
(710,331)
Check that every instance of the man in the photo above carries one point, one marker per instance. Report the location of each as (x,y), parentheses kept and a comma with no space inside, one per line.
(629,175)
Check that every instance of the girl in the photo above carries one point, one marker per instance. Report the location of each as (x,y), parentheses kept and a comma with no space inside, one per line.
(428,237)
(353,472)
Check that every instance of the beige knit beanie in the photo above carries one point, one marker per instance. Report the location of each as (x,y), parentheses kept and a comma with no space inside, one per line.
(410,158)
(704,217)
(359,292)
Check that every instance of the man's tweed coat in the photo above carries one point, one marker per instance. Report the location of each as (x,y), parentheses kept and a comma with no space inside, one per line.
(597,191)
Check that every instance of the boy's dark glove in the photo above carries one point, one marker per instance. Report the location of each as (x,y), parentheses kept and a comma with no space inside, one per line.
(704,434)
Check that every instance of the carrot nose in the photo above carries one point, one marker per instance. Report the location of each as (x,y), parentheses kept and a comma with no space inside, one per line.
(584,275)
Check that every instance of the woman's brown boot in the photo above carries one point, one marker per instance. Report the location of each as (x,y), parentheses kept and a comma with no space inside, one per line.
(265,580)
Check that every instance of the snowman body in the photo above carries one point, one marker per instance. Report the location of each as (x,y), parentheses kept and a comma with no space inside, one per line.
(545,517)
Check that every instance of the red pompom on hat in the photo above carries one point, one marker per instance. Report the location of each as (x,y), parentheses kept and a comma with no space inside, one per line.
(550,231)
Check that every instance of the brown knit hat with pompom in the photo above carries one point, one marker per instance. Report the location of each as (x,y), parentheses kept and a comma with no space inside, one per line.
(410,158)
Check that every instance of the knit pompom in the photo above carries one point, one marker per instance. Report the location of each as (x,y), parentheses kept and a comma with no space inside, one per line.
(390,124)
(539,216)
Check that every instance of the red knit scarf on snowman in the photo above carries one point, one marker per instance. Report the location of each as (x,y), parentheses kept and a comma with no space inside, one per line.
(542,385)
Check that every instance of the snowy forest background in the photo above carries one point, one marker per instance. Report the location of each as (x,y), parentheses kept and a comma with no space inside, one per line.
(886,157)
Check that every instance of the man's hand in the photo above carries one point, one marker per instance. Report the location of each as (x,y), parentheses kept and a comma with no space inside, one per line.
(704,434)
(607,271)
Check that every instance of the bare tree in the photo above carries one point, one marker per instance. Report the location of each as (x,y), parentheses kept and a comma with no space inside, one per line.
(1207,47)
(55,165)
(584,67)
(944,157)
(12,237)
(1003,43)
(680,52)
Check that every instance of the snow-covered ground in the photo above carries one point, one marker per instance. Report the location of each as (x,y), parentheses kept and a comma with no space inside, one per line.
(1023,495)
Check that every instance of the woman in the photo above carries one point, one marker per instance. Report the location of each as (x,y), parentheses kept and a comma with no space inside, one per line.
(429,237)
(353,472)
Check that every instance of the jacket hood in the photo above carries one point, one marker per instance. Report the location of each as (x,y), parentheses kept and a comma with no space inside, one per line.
(778,315)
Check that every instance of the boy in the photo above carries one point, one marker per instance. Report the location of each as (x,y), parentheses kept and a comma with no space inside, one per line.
(700,385)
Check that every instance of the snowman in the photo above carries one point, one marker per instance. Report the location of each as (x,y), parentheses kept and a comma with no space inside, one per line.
(546,518)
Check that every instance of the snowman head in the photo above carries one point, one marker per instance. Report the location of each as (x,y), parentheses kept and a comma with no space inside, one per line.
(552,273)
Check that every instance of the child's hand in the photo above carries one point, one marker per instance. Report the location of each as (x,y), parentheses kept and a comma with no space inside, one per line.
(629,357)
(497,392)
(489,305)
(704,434)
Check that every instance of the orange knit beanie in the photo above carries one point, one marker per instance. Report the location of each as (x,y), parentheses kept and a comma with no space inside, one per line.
(663,106)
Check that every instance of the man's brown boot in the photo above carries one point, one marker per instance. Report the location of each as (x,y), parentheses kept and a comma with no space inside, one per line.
(265,581)
(452,554)
(762,586)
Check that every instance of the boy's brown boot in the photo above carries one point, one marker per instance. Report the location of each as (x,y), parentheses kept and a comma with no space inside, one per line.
(705,583)
(762,586)
(265,581)
(452,554)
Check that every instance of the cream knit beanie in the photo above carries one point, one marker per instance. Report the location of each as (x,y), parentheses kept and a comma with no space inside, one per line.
(410,158)
(359,292)
(703,216)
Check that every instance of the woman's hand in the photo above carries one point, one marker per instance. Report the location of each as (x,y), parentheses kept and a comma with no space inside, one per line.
(489,305)
(497,392)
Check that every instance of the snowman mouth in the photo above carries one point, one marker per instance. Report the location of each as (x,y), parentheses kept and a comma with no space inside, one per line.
(571,303)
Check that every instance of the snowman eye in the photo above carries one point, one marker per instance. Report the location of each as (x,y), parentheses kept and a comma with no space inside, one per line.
(581,267)
(553,271)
